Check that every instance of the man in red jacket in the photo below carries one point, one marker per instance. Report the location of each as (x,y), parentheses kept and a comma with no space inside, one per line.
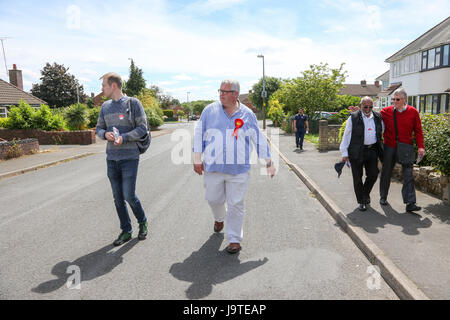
(408,121)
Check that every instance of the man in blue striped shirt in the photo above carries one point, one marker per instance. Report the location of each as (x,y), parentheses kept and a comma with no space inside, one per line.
(224,135)
(122,154)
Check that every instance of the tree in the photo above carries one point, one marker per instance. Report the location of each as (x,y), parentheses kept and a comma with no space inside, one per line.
(58,88)
(315,90)
(345,101)
(196,106)
(135,83)
(272,85)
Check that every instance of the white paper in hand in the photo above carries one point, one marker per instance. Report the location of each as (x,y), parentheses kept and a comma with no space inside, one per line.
(116,134)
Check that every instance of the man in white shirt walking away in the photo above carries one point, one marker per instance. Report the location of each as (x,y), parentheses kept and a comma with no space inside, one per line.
(362,146)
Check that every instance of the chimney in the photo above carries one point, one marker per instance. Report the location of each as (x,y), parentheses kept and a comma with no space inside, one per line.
(363,83)
(15,77)
(377,83)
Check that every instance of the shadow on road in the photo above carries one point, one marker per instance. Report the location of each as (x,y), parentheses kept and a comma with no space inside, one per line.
(92,265)
(209,266)
(371,220)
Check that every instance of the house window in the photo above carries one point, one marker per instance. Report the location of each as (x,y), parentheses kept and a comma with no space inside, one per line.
(431,55)
(3,112)
(424,60)
(428,103)
(438,57)
(444,103)
(435,106)
(422,104)
(445,60)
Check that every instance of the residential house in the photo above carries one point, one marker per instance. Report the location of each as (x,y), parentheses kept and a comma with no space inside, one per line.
(243,98)
(422,68)
(12,93)
(362,89)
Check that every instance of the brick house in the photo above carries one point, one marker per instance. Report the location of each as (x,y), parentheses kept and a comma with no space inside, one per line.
(12,92)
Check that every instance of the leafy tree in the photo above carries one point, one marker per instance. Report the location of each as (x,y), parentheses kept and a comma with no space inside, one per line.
(196,106)
(272,85)
(135,83)
(276,112)
(58,88)
(315,90)
(151,107)
(345,101)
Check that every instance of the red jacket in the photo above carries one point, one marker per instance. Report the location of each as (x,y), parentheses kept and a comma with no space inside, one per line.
(407,122)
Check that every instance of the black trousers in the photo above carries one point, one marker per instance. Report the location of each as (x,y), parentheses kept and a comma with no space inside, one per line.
(299,137)
(370,164)
(408,189)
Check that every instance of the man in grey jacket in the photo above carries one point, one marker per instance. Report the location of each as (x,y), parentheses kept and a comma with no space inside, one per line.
(122,121)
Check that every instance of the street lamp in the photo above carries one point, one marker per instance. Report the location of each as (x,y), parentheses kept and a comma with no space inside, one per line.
(263,93)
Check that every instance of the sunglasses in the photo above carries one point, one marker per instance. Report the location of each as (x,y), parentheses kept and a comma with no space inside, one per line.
(224,91)
(370,107)
(397,99)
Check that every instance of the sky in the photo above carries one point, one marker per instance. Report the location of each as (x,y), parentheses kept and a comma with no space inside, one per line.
(187,47)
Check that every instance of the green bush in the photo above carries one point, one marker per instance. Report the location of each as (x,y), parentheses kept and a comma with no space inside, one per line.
(436,131)
(93,116)
(77,116)
(339,117)
(21,117)
(44,119)
(341,131)
(287,127)
(168,113)
(154,119)
(276,112)
(3,122)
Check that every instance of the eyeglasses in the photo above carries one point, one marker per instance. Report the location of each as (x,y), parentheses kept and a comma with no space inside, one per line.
(224,91)
(397,99)
(365,107)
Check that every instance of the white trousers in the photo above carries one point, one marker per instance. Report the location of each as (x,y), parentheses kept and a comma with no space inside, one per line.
(229,188)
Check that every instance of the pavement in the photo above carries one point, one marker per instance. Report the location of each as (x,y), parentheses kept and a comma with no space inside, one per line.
(411,250)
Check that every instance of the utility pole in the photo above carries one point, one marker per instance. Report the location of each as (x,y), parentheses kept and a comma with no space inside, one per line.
(4,55)
(264,93)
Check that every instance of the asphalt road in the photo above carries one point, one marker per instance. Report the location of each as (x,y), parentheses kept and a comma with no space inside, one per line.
(63,216)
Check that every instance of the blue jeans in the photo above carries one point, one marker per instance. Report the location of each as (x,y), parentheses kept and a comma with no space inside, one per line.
(299,137)
(122,176)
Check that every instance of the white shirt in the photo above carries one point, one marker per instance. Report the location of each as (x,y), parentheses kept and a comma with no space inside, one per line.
(370,133)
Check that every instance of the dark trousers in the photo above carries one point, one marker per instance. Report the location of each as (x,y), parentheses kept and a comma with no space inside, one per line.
(299,137)
(122,175)
(408,189)
(370,164)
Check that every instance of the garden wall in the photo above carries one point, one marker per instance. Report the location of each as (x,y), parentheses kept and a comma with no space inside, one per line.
(12,149)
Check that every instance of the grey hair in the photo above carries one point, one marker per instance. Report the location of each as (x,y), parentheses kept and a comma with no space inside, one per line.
(402,92)
(366,98)
(234,85)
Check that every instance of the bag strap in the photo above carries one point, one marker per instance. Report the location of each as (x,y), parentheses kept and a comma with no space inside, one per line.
(130,108)
(395,126)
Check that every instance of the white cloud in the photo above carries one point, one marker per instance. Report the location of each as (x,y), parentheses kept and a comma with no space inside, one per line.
(182,77)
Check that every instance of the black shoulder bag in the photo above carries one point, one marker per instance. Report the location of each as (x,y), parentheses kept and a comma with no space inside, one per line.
(405,152)
(144,142)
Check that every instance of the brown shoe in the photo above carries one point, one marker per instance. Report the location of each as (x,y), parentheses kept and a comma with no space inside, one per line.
(218,226)
(234,248)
